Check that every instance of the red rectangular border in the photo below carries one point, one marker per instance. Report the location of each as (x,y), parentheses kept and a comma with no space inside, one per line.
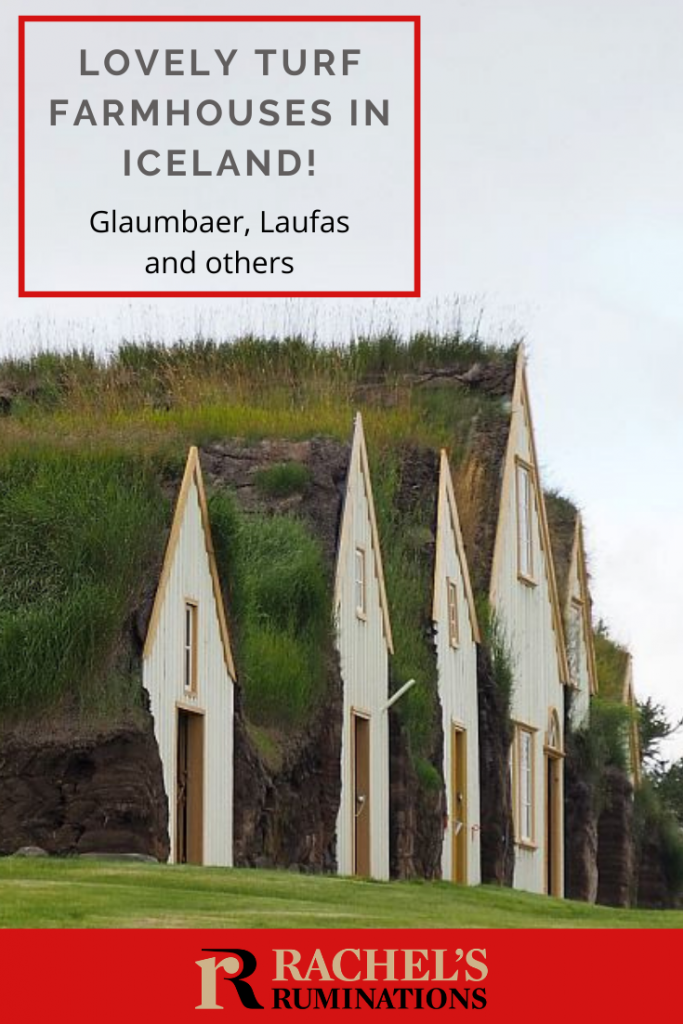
(415,293)
(616,974)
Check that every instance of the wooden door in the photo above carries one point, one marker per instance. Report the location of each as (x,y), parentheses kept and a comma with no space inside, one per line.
(190,788)
(361,744)
(553,811)
(459,823)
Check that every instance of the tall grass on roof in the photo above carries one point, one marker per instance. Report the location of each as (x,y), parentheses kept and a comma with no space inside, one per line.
(280,603)
(251,370)
(147,404)
(76,533)
(142,363)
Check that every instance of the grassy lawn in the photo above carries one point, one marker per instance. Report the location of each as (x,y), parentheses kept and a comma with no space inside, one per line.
(109,894)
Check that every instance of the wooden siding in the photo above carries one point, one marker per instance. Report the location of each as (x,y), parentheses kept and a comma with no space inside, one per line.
(530,617)
(578,598)
(457,674)
(189,578)
(363,645)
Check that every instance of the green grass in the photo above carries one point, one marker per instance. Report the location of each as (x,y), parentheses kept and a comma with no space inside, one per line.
(153,397)
(405,537)
(88,441)
(611,662)
(155,371)
(281,607)
(606,738)
(655,820)
(105,894)
(283,479)
(75,531)
(502,662)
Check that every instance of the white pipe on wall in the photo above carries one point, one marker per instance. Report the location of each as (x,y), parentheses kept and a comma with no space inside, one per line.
(399,693)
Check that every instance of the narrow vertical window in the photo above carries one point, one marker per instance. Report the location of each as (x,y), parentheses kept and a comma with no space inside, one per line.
(360,583)
(525,505)
(525,782)
(452,595)
(190,647)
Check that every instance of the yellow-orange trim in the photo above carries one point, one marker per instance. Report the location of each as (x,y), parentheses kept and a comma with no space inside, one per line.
(527,842)
(552,761)
(191,690)
(524,577)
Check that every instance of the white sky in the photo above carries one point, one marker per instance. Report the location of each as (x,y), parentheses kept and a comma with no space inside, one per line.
(552,197)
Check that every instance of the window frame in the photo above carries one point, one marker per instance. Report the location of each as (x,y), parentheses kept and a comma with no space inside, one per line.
(553,738)
(361,583)
(524,808)
(525,499)
(452,612)
(190,646)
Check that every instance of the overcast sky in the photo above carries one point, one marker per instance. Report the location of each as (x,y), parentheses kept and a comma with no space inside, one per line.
(552,198)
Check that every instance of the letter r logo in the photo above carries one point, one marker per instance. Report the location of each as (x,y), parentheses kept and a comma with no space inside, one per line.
(231,966)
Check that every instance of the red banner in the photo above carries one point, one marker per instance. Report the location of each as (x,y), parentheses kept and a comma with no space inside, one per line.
(169,975)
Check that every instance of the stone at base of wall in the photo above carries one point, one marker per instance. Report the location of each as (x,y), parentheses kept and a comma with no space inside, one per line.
(141,858)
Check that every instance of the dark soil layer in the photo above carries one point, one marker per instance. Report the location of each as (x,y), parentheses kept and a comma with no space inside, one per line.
(616,853)
(417,813)
(236,465)
(80,792)
(653,889)
(288,817)
(580,831)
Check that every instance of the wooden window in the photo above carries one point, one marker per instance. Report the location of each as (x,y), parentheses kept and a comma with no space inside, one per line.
(554,736)
(361,587)
(452,601)
(524,783)
(525,522)
(190,648)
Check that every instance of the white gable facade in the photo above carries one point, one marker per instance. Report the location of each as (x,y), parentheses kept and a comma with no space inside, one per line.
(188,672)
(524,598)
(577,620)
(364,643)
(457,635)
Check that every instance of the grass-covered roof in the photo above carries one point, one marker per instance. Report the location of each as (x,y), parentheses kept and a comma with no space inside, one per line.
(562,521)
(91,452)
(612,662)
